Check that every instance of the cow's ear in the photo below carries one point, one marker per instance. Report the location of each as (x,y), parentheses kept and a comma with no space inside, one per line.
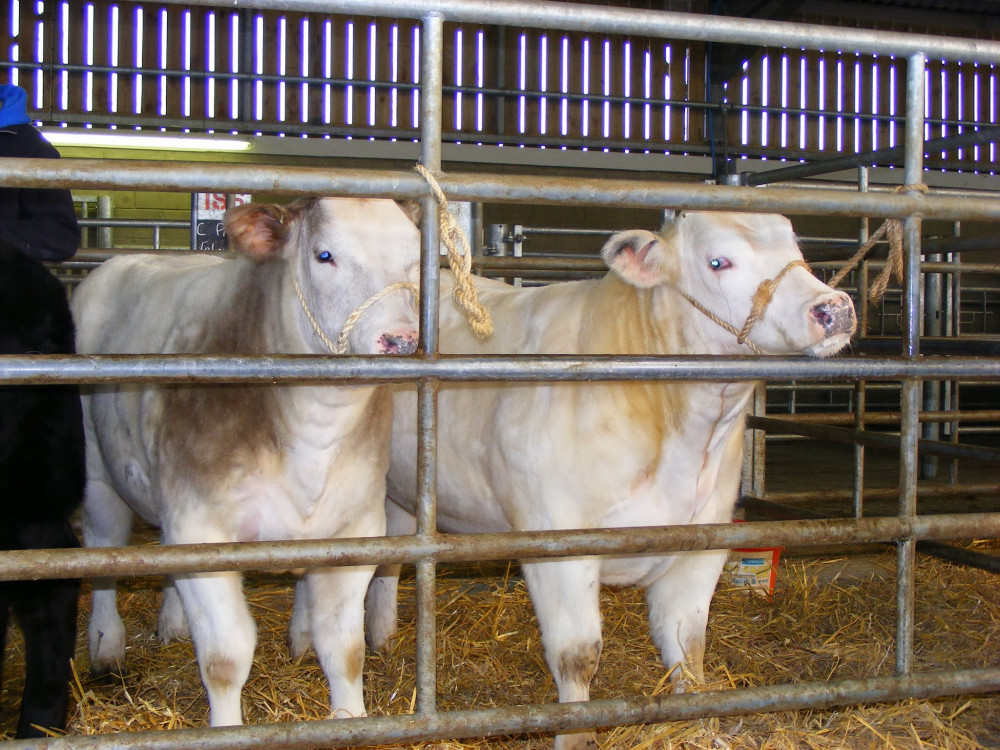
(414,210)
(258,230)
(640,257)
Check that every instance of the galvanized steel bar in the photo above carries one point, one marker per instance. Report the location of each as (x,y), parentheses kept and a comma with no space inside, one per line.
(306,553)
(910,398)
(879,439)
(885,493)
(491,722)
(879,157)
(431,58)
(115,174)
(634,21)
(42,369)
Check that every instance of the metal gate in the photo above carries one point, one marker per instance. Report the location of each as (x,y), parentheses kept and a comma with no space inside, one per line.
(426,548)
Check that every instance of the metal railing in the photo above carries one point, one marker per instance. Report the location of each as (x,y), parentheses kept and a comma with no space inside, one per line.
(426,548)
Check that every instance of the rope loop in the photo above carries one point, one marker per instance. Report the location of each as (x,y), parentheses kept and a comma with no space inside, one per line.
(341,346)
(460,260)
(892,230)
(758,306)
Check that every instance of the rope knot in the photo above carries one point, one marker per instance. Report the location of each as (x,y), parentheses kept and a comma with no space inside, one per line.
(892,230)
(459,260)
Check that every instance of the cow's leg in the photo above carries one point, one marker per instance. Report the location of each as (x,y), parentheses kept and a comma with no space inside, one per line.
(381,603)
(224,637)
(172,625)
(678,603)
(336,599)
(566,597)
(107,522)
(299,629)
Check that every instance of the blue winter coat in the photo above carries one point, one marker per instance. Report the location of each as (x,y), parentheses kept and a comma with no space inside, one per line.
(37,222)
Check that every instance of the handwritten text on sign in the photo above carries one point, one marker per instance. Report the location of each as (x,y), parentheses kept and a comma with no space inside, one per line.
(207,211)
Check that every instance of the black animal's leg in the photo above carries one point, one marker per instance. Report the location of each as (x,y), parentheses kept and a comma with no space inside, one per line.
(47,616)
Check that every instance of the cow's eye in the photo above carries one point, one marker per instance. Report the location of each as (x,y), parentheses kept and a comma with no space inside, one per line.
(719,264)
(325,257)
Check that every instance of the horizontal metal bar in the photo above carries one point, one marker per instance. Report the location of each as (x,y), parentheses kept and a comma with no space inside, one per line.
(491,722)
(873,439)
(24,565)
(924,492)
(136,368)
(120,174)
(961,556)
(619,20)
(887,417)
(879,157)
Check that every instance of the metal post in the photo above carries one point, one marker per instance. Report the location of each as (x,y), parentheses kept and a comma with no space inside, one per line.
(858,489)
(427,389)
(105,234)
(910,406)
(954,330)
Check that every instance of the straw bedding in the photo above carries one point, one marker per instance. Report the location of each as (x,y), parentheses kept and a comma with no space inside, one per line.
(828,619)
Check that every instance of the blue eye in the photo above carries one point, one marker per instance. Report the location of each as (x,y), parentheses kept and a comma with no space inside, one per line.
(325,257)
(719,264)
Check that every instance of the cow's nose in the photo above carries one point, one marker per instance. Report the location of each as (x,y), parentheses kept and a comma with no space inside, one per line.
(835,315)
(398,343)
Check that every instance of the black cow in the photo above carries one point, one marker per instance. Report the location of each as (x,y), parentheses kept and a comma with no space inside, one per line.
(41,484)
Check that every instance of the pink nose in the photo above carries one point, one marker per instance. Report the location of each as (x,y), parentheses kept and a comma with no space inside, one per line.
(398,343)
(836,315)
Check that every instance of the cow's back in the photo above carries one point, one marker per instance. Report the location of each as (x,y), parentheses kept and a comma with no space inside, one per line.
(141,304)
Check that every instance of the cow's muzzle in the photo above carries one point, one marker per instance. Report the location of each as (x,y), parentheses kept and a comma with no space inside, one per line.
(403,343)
(836,316)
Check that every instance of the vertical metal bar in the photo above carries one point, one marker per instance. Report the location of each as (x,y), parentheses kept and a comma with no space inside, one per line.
(955,329)
(105,234)
(910,424)
(933,318)
(431,56)
(759,441)
(858,489)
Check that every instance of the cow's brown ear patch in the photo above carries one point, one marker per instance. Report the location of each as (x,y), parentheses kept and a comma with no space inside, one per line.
(637,256)
(257,230)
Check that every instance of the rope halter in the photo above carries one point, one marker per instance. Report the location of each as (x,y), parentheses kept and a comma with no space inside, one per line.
(761,299)
(892,230)
(341,346)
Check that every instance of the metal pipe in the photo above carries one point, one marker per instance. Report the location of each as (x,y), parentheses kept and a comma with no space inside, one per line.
(884,493)
(960,555)
(22,565)
(633,21)
(892,417)
(139,368)
(121,174)
(910,397)
(431,57)
(876,439)
(879,157)
(553,717)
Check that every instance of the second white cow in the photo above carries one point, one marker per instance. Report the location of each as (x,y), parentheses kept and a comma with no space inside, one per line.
(579,456)
(246,463)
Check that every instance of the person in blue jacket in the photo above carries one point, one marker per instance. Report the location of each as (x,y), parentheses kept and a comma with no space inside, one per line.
(37,222)
(42,467)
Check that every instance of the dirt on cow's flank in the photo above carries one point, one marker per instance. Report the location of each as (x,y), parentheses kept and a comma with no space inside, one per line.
(828,619)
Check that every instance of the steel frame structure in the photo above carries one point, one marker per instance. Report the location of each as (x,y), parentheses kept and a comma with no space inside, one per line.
(426,548)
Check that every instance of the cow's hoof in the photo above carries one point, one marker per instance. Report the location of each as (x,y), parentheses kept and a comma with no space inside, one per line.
(576,741)
(170,629)
(299,642)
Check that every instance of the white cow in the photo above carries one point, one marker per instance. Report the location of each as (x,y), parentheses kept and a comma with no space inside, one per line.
(578,456)
(247,463)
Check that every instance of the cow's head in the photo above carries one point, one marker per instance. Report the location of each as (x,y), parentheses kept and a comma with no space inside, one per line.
(339,253)
(720,261)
